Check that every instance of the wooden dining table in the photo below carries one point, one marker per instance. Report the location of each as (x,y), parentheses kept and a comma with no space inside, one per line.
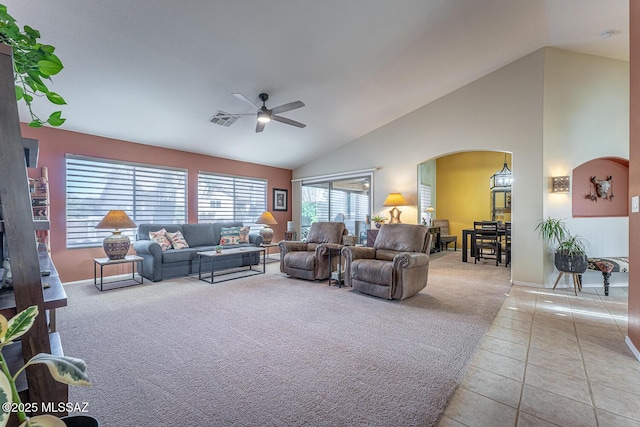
(470,233)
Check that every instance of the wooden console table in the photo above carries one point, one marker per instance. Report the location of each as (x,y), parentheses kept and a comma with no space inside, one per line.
(54,295)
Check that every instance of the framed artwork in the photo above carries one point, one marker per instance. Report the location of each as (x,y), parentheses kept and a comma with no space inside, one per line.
(280,199)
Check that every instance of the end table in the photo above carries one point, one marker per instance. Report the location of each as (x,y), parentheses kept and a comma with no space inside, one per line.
(102,262)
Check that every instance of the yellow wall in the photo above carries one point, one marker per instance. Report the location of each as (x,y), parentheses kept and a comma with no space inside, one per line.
(462,188)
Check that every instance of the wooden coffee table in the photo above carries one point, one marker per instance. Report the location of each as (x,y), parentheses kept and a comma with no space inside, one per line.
(218,256)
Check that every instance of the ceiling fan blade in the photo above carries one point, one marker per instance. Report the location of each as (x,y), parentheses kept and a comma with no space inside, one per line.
(287,107)
(287,121)
(260,126)
(246,100)
(226,116)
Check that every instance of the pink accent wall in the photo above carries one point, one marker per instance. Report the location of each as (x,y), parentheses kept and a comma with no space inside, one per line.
(77,264)
(581,187)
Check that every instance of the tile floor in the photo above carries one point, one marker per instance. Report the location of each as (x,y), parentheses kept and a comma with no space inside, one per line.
(552,359)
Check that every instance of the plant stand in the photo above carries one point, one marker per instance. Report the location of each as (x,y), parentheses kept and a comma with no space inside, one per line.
(577,281)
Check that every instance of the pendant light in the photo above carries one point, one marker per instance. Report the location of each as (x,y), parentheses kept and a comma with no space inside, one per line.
(503,178)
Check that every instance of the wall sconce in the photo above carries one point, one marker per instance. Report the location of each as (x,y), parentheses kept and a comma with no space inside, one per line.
(560,184)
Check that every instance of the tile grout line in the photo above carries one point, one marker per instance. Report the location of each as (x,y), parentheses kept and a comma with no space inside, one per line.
(584,366)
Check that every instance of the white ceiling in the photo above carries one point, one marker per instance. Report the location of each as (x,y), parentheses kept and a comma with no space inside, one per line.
(155,71)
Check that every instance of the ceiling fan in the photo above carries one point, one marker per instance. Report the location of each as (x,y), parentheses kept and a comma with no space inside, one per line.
(265,115)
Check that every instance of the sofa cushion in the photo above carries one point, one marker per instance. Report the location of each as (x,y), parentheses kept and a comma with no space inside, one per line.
(160,237)
(229,236)
(372,271)
(326,232)
(177,255)
(401,237)
(300,260)
(199,234)
(386,254)
(144,229)
(177,240)
(244,234)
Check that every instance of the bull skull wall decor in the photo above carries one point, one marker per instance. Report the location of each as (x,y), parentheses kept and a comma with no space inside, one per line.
(601,188)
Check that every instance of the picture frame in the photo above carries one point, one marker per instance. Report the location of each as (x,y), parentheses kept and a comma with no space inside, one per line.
(280,199)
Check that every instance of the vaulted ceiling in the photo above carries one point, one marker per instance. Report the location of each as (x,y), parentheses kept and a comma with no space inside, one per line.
(156,71)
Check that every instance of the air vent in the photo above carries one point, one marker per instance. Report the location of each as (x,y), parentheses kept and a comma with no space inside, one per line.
(223,119)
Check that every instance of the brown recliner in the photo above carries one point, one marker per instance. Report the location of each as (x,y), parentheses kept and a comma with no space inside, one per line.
(396,267)
(310,260)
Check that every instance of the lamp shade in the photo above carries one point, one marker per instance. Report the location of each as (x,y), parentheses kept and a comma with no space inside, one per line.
(266,232)
(116,246)
(266,218)
(394,199)
(115,220)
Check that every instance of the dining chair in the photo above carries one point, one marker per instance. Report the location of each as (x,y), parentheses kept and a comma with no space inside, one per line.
(487,241)
(507,244)
(445,237)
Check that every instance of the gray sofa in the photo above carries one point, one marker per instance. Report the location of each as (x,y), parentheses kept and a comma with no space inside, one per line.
(158,265)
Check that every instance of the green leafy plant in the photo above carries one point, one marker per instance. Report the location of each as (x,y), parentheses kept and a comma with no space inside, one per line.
(33,63)
(218,248)
(67,370)
(556,236)
(378,218)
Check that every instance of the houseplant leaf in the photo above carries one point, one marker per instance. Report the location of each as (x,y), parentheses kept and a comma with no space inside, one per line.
(49,68)
(55,119)
(55,98)
(44,421)
(5,400)
(65,369)
(19,324)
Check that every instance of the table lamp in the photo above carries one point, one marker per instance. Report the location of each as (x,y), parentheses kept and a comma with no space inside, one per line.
(395,200)
(266,219)
(116,246)
(429,212)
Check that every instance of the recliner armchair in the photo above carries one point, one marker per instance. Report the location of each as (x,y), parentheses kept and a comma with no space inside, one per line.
(396,267)
(310,260)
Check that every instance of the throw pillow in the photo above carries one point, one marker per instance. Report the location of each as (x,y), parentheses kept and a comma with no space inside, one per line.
(229,235)
(177,240)
(160,237)
(244,234)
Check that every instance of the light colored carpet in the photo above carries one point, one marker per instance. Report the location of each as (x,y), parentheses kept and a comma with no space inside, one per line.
(270,350)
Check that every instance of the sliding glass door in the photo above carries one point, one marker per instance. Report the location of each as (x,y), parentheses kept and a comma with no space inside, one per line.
(347,200)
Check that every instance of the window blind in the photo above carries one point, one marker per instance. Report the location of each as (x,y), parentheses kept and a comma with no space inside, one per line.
(95,186)
(230,198)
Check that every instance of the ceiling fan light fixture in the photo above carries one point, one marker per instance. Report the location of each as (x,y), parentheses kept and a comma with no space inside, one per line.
(264,117)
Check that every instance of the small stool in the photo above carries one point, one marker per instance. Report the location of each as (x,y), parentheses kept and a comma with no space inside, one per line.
(577,281)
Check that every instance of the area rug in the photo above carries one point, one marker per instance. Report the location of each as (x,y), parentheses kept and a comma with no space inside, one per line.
(270,350)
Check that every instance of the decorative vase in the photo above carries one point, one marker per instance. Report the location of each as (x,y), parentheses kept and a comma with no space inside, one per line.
(378,224)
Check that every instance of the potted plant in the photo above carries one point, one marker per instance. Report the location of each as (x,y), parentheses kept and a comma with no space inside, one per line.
(33,63)
(378,220)
(218,249)
(570,250)
(67,370)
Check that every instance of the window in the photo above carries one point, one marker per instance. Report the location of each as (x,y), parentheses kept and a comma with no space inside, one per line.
(346,200)
(230,198)
(146,193)
(425,201)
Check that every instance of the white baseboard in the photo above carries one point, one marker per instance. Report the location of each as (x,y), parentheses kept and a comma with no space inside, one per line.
(90,281)
(632,347)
